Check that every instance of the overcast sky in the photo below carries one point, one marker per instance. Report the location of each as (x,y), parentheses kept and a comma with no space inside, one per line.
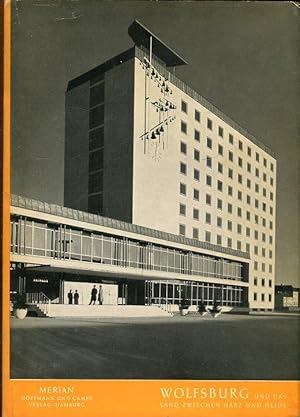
(242,57)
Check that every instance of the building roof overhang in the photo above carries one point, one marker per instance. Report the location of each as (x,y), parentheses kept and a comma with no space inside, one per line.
(141,37)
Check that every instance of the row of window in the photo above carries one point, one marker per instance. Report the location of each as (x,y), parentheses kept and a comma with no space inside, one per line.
(209,125)
(221,240)
(263,282)
(240,161)
(208,201)
(30,237)
(257,203)
(184,170)
(96,145)
(262,297)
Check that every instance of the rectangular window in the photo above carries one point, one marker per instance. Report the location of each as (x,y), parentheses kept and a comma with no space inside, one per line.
(220,185)
(263,297)
(208,161)
(196,174)
(229,242)
(219,204)
(265,162)
(96,160)
(197,135)
(271,210)
(96,95)
(230,156)
(182,229)
(239,195)
(96,138)
(270,298)
(196,194)
(220,168)
(272,167)
(256,188)
(197,116)
(257,156)
(230,138)
(209,143)
(271,181)
(182,209)
(96,117)
(270,283)
(230,173)
(219,221)
(209,124)
(239,228)
(208,180)
(248,183)
(182,168)
(195,214)
(255,281)
(255,234)
(208,218)
(239,211)
(195,233)
(220,150)
(264,177)
(248,215)
(196,155)
(95,184)
(240,145)
(271,196)
(264,206)
(184,106)
(183,147)
(229,208)
(263,237)
(239,245)
(229,225)
(240,162)
(230,190)
(182,189)
(221,131)
(271,240)
(183,127)
(219,240)
(255,250)
(240,179)
(249,151)
(254,296)
(208,199)
(248,167)
(207,236)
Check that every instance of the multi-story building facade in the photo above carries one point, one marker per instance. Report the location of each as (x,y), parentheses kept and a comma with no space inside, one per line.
(144,148)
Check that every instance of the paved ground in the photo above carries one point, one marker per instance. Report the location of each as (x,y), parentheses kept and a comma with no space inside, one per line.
(192,347)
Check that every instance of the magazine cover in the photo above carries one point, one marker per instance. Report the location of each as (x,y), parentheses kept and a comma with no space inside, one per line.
(150,234)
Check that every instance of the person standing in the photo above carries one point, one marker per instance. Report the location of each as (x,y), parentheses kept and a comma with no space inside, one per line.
(76,297)
(100,295)
(70,297)
(93,295)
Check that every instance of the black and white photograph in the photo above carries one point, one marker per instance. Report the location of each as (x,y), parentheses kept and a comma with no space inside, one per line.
(154,190)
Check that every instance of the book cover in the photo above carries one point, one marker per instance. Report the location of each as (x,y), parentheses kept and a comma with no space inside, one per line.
(150,203)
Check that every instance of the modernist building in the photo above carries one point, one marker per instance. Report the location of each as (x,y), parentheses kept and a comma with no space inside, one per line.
(143,147)
(55,249)
(192,194)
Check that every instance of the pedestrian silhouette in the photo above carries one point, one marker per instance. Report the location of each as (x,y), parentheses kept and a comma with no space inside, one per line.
(93,295)
(100,295)
(70,297)
(76,297)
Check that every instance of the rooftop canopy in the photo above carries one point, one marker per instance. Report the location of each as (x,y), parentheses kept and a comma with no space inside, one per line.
(141,37)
